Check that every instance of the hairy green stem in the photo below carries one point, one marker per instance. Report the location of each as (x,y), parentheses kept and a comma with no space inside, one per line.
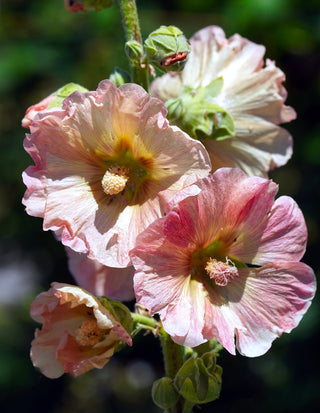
(173,360)
(131,26)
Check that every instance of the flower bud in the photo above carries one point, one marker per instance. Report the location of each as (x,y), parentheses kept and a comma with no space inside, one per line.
(164,394)
(167,48)
(87,5)
(134,50)
(199,379)
(119,77)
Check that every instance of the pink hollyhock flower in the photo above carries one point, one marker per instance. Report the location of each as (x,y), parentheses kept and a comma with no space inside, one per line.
(225,264)
(78,332)
(98,279)
(104,163)
(232,75)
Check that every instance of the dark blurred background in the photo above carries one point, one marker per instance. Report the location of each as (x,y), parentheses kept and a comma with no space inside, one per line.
(43,47)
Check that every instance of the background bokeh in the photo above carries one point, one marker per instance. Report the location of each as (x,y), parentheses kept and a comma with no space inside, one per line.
(42,47)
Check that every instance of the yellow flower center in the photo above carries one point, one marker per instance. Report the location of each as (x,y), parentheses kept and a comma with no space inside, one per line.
(89,333)
(221,272)
(115,179)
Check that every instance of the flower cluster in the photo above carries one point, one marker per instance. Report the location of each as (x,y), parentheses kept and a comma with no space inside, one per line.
(165,198)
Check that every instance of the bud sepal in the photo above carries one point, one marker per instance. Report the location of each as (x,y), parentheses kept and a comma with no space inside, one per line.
(195,113)
(164,393)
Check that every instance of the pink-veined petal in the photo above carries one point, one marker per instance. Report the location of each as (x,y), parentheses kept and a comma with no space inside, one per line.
(261,306)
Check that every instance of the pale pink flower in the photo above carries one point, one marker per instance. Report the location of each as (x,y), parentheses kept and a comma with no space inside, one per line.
(252,94)
(98,279)
(225,264)
(78,332)
(104,163)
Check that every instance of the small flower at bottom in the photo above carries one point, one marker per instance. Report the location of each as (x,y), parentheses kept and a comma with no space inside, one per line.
(78,332)
(225,264)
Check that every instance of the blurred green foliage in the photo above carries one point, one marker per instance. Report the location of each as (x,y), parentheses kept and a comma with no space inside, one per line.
(42,47)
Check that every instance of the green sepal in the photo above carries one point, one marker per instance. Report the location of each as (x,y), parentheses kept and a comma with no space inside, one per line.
(199,379)
(119,311)
(209,346)
(63,93)
(213,88)
(119,77)
(195,112)
(164,393)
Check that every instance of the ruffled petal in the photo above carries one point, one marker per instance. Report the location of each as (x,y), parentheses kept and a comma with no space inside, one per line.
(282,240)
(183,319)
(263,303)
(261,94)
(212,56)
(257,148)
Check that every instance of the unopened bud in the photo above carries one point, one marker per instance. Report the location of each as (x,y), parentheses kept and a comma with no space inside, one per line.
(164,394)
(119,77)
(167,48)
(134,50)
(199,379)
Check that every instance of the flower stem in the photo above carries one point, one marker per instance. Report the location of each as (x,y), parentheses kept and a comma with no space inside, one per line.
(173,360)
(145,321)
(131,26)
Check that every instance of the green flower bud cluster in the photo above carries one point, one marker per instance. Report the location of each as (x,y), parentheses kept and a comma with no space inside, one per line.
(195,112)
(198,381)
(167,48)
